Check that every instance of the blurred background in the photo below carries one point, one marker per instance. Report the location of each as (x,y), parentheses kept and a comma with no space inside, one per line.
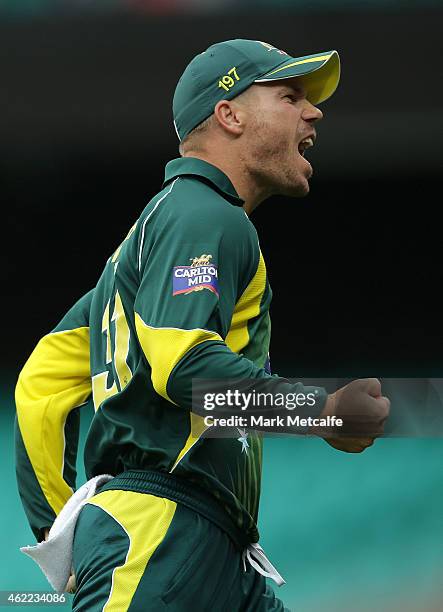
(86,129)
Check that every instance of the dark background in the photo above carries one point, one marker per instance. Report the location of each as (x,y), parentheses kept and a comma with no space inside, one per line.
(86,130)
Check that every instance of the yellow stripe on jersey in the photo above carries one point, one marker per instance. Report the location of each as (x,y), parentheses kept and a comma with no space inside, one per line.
(55,380)
(198,427)
(165,346)
(146,519)
(246,309)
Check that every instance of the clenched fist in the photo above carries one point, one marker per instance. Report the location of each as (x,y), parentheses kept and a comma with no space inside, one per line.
(363,410)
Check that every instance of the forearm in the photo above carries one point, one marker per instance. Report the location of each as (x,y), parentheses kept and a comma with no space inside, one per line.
(215,361)
(52,386)
(38,510)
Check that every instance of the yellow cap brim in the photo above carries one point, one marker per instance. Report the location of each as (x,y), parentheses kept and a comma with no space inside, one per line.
(319,74)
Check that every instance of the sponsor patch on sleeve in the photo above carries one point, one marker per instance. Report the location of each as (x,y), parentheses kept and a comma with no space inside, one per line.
(201,274)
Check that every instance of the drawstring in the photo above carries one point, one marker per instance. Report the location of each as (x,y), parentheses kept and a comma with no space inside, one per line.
(255,554)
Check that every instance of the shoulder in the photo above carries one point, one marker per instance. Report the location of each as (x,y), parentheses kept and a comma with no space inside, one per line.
(78,315)
(191,205)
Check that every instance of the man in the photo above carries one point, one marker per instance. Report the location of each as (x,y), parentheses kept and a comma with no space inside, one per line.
(185,296)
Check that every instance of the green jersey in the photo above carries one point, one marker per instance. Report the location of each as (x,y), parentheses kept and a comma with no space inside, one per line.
(185,296)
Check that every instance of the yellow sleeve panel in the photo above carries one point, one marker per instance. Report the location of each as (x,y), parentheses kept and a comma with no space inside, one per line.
(164,347)
(55,380)
(247,307)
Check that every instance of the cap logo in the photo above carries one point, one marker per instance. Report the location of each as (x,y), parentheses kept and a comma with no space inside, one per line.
(271,48)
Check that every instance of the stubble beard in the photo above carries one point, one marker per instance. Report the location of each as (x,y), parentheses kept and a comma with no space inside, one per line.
(272,163)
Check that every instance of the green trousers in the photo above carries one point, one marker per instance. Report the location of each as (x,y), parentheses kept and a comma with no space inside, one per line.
(139,552)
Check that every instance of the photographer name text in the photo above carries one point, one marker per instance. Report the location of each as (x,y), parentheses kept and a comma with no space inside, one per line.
(252,421)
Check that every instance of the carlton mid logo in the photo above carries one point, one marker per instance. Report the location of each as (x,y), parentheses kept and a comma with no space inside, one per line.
(201,274)
(203,260)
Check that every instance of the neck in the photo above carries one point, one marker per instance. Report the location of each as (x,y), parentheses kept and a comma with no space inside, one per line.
(235,169)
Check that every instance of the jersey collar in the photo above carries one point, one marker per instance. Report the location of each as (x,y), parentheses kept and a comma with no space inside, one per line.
(185,166)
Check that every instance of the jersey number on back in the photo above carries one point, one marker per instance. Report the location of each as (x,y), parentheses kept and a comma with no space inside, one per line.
(116,356)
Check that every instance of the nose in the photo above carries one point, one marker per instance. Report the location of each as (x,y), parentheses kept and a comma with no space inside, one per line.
(311,113)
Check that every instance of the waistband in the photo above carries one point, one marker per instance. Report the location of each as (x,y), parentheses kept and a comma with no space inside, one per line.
(179,490)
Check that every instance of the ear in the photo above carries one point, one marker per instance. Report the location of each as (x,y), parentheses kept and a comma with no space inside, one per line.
(230,117)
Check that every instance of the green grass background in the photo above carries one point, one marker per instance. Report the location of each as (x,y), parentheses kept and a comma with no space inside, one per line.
(349,533)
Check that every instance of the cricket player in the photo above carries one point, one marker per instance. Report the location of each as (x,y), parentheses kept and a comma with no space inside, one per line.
(186,295)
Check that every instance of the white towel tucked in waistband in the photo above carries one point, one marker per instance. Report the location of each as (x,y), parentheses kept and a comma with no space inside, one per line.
(54,556)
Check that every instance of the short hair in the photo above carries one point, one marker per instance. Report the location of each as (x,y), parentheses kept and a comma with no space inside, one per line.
(191,140)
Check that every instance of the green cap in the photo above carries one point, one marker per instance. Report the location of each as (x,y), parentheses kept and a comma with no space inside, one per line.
(226,69)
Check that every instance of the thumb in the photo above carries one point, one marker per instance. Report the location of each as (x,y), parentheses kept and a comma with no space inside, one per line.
(71,585)
(385,402)
(373,387)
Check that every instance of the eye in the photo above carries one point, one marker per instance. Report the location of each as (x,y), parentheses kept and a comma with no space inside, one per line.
(290,97)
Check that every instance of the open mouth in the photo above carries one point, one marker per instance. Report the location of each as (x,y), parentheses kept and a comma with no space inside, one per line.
(305,144)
